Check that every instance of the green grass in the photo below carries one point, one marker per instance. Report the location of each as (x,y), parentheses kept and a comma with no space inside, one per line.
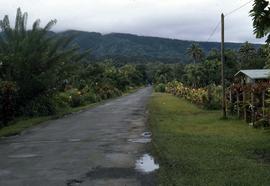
(21,125)
(196,147)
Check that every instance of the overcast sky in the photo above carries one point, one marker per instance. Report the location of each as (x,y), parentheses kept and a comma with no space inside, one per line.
(178,19)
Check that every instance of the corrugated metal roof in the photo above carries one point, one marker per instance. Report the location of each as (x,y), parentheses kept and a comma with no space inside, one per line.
(256,74)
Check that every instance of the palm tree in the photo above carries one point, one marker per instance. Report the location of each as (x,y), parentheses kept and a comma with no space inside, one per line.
(195,52)
(261,19)
(33,55)
(33,59)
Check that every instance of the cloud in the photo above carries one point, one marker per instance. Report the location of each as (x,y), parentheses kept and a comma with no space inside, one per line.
(189,20)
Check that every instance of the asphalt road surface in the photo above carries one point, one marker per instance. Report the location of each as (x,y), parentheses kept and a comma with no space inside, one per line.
(94,147)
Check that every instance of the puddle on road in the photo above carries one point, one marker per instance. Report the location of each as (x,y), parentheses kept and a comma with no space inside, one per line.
(140,140)
(146,164)
(146,134)
(146,138)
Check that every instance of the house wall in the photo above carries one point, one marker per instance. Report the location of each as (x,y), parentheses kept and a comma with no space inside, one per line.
(249,80)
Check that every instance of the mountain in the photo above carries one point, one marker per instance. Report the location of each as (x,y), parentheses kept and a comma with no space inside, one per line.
(129,47)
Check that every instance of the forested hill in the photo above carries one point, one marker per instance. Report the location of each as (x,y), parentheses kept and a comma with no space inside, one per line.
(138,48)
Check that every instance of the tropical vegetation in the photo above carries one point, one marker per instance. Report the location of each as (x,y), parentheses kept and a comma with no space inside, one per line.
(195,52)
(41,75)
(208,97)
(129,48)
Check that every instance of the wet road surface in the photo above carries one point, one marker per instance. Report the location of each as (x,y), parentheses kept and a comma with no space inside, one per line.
(95,147)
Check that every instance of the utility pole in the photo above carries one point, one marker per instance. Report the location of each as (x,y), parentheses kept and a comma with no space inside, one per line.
(222,68)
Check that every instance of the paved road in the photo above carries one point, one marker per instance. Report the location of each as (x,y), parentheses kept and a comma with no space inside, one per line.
(87,148)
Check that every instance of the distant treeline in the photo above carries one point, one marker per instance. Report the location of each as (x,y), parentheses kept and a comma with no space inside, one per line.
(133,48)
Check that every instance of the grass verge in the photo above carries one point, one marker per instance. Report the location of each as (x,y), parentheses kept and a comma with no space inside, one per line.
(196,147)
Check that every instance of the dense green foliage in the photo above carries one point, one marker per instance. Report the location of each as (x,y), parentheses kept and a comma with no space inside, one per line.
(195,52)
(200,80)
(208,97)
(207,70)
(260,14)
(195,147)
(261,18)
(42,74)
(140,49)
(31,66)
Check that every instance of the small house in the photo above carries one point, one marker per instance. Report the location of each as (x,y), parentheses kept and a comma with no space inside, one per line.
(247,95)
(252,76)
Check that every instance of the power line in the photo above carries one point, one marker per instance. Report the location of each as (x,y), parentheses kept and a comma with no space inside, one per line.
(214,31)
(231,12)
(242,6)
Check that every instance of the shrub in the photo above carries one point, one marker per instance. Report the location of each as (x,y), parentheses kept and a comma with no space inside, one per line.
(91,97)
(106,91)
(8,93)
(40,106)
(213,100)
(76,100)
(72,97)
(264,122)
(160,87)
(205,97)
(61,100)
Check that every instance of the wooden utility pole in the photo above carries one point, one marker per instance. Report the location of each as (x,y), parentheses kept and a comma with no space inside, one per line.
(263,102)
(222,68)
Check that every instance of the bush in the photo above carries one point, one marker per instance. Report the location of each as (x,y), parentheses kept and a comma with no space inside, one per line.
(106,91)
(264,122)
(40,106)
(213,100)
(160,87)
(8,92)
(91,97)
(61,100)
(72,97)
(205,97)
(76,100)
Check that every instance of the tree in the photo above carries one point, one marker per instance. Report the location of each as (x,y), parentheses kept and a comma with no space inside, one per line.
(261,18)
(194,75)
(33,59)
(164,74)
(246,55)
(231,65)
(178,71)
(195,52)
(260,14)
(210,72)
(265,53)
(213,54)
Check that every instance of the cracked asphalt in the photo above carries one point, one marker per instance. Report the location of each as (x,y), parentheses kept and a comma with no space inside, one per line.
(87,148)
